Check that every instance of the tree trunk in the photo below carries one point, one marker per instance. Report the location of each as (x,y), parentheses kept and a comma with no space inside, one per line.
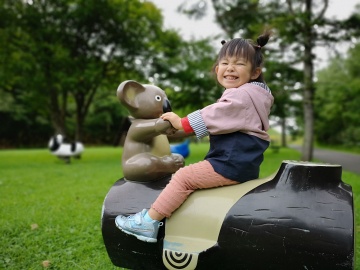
(79,127)
(283,132)
(307,151)
(57,115)
(308,97)
(58,124)
(80,116)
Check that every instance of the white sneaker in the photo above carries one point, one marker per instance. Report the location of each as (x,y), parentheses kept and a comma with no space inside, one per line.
(136,225)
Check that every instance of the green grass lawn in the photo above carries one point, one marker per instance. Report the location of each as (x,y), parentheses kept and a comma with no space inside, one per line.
(51,211)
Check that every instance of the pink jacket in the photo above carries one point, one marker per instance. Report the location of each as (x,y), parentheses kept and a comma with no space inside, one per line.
(245,109)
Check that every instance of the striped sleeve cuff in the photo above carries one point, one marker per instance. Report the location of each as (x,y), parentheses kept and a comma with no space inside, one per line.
(198,125)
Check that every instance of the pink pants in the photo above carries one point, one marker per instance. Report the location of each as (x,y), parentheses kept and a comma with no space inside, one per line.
(184,182)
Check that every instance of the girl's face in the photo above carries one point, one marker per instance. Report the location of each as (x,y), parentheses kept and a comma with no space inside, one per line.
(232,72)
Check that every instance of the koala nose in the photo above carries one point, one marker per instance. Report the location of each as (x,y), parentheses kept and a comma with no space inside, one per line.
(166,106)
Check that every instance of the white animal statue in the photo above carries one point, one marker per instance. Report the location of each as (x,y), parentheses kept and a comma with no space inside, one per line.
(63,150)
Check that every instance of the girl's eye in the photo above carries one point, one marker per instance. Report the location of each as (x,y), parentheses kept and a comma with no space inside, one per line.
(158,98)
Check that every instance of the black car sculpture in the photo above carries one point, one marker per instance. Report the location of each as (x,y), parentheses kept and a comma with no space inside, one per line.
(302,217)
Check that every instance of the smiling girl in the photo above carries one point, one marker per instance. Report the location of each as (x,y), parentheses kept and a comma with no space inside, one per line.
(237,126)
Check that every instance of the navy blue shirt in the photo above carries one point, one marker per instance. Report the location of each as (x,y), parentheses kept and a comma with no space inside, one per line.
(237,156)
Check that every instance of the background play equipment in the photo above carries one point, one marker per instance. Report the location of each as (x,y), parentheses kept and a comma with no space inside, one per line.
(302,217)
(146,153)
(181,148)
(63,150)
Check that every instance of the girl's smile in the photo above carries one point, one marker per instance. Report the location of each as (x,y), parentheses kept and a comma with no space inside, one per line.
(231,77)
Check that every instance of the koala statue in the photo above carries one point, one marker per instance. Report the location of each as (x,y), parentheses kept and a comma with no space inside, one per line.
(146,154)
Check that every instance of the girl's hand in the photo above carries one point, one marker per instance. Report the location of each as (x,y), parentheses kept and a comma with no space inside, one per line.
(174,119)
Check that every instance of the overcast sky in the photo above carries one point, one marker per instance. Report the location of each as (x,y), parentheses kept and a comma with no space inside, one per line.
(205,27)
(189,28)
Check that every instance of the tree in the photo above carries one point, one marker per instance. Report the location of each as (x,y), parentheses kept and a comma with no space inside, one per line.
(282,80)
(302,17)
(187,73)
(300,26)
(337,101)
(241,19)
(74,49)
(234,17)
(20,107)
(61,56)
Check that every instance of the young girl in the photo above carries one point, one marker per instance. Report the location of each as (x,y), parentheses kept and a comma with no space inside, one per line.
(236,124)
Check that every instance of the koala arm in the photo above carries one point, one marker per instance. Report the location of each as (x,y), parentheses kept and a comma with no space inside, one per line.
(165,127)
(145,129)
(181,134)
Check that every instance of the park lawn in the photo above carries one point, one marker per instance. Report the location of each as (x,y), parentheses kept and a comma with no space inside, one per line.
(51,211)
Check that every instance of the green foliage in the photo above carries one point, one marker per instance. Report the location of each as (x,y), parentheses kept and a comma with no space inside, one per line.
(61,56)
(237,15)
(283,80)
(52,211)
(191,76)
(337,101)
(63,61)
(299,27)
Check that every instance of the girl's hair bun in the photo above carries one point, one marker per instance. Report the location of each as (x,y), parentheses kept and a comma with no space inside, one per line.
(263,39)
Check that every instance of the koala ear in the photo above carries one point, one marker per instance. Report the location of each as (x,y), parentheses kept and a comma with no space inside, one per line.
(127,92)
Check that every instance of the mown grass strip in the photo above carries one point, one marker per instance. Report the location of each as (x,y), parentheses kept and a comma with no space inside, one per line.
(50,211)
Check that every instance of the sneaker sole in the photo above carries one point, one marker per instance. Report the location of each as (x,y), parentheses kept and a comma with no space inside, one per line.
(140,237)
